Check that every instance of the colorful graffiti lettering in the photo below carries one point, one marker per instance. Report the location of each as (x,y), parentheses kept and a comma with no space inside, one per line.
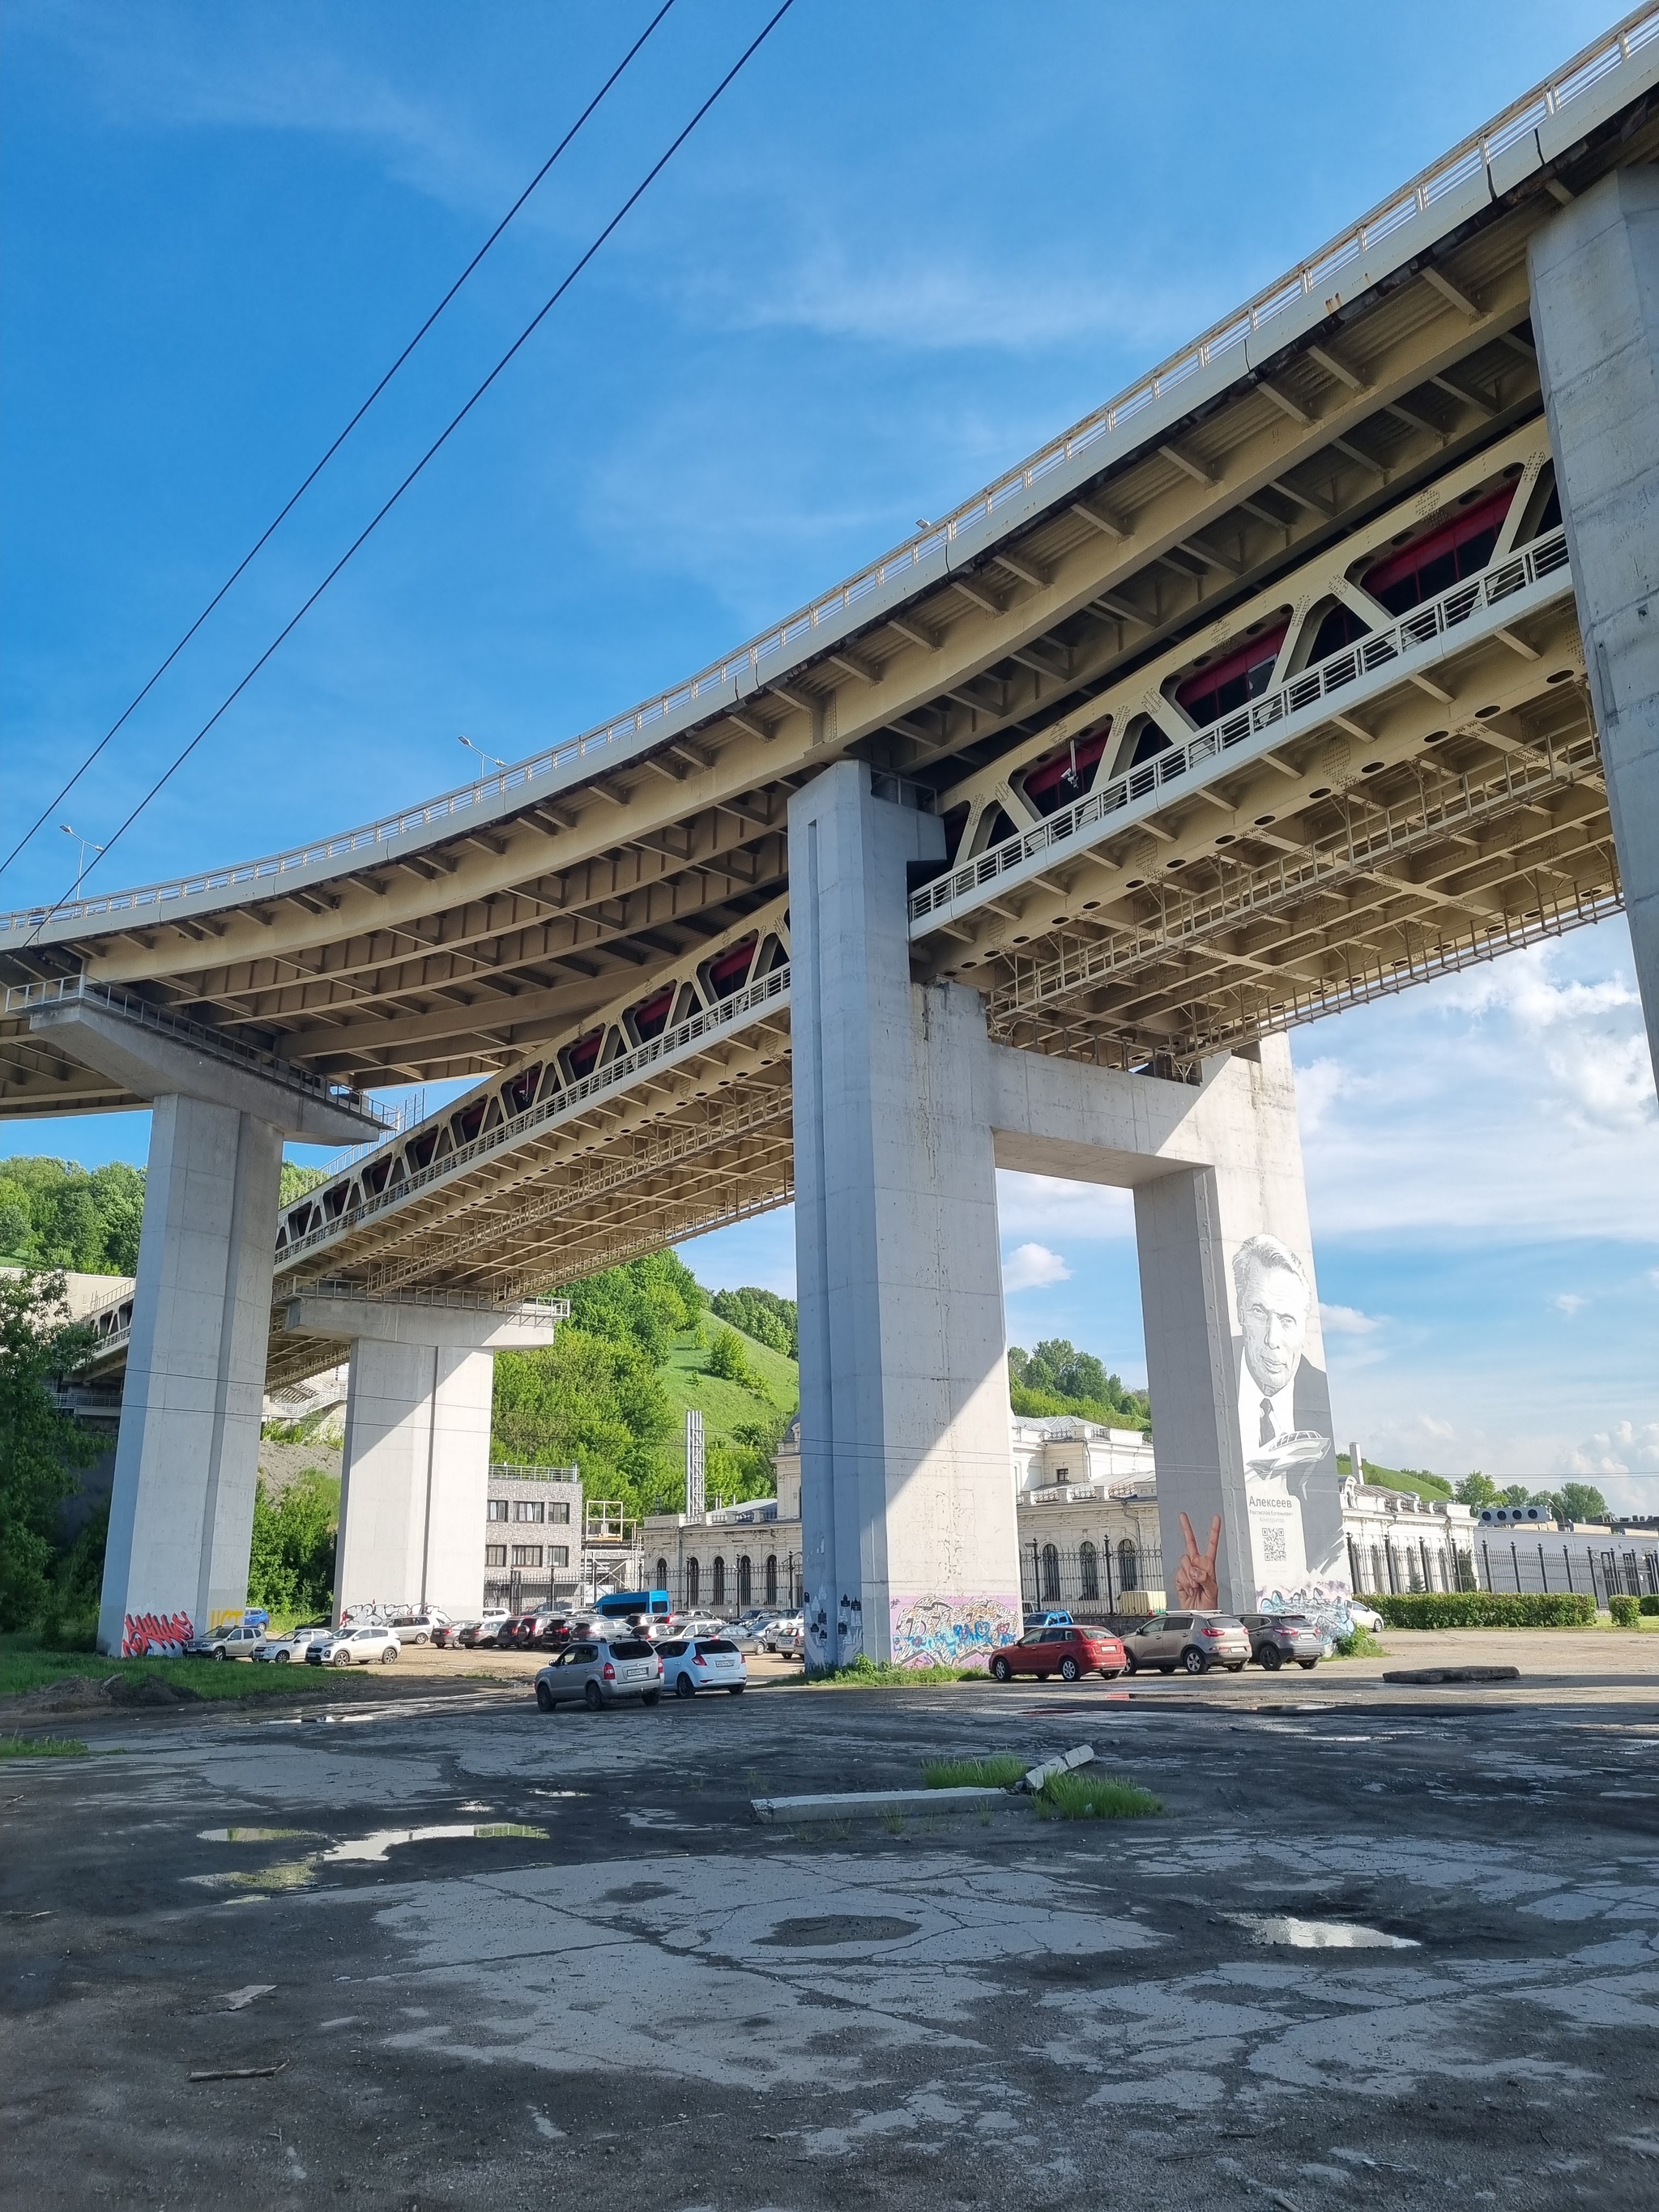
(952,1631)
(155,1635)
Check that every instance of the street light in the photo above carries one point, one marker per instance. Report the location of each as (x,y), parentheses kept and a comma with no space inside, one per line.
(488,759)
(87,845)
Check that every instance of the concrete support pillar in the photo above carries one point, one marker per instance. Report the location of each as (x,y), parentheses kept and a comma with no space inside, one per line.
(1242,1419)
(1235,1364)
(1594,273)
(181,1511)
(417,1461)
(907,1498)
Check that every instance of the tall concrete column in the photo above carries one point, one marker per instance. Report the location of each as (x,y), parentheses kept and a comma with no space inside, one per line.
(415,1466)
(1595,271)
(181,1509)
(907,1499)
(1240,1403)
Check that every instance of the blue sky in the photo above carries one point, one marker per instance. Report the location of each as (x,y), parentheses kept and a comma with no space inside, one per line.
(891,262)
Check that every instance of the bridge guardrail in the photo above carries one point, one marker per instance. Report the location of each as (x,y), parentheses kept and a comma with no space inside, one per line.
(731,1014)
(1544,557)
(1614,50)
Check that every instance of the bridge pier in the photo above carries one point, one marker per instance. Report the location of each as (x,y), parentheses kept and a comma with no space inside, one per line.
(908,1511)
(1594,273)
(186,1459)
(416,1467)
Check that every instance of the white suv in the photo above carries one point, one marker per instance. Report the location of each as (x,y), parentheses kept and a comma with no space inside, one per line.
(354,1647)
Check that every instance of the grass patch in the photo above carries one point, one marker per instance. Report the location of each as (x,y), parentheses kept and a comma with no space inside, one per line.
(42,1747)
(1000,1771)
(23,1665)
(1361,1644)
(1095,1797)
(867,1673)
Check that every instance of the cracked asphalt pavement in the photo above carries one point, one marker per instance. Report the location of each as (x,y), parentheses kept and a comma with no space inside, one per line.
(1381,1949)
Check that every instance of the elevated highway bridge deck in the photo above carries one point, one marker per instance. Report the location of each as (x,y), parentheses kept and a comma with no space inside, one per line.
(1257,694)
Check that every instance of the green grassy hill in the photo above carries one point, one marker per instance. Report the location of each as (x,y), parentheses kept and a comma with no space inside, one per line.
(1414,1479)
(726,1407)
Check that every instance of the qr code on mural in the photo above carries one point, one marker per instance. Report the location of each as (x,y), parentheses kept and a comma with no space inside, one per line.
(1273,1543)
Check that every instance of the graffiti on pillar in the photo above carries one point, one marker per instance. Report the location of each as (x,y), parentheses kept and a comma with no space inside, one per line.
(849,1630)
(155,1635)
(1292,1498)
(952,1631)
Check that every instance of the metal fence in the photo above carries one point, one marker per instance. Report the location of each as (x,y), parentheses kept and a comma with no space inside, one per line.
(1089,1579)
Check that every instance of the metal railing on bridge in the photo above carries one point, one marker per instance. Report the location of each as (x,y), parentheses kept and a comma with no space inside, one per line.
(1142,790)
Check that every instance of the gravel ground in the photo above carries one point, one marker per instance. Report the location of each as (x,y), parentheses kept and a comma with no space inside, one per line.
(1384,1948)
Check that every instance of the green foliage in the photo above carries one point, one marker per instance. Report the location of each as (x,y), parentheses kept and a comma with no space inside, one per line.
(1578,1501)
(593,1403)
(1057,1379)
(644,1304)
(1626,1612)
(42,1747)
(764,1316)
(1477,1490)
(291,1561)
(1416,1482)
(1095,1797)
(867,1673)
(297,1180)
(24,1668)
(1488,1609)
(40,1449)
(999,1771)
(728,1359)
(1649,1602)
(54,1214)
(1358,1643)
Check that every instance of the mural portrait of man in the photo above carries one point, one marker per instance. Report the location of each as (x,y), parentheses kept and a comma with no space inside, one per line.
(1283,1401)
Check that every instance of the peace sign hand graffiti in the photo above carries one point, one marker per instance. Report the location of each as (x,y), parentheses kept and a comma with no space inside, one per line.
(1195,1577)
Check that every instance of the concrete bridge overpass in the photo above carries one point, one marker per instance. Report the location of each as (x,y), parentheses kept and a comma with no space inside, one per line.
(1260,692)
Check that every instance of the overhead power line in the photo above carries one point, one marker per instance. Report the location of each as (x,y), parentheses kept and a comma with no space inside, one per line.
(437,445)
(277,521)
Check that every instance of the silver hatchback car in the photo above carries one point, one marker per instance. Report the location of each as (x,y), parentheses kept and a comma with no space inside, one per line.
(1193,1641)
(595,1672)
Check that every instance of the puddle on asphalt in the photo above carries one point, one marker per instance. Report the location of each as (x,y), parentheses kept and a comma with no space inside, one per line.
(1318,1935)
(841,1928)
(371,1850)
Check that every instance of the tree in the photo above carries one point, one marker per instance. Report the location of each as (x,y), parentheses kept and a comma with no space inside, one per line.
(762,1314)
(54,1214)
(291,1559)
(1477,1490)
(645,1304)
(592,1403)
(1057,1378)
(1578,1501)
(40,1448)
(728,1359)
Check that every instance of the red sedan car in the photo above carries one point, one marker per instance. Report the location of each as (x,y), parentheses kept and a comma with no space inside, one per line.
(1069,1652)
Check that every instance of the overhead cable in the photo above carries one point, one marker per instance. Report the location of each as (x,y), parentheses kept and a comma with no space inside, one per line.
(277,521)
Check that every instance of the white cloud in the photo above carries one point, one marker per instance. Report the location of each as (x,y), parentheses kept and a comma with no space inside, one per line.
(1034,1205)
(1626,1448)
(1569,1303)
(1346,1321)
(1033,1268)
(1443,1432)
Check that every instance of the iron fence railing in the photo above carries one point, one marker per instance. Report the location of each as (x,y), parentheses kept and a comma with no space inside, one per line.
(1143,790)
(1088,1577)
(765,658)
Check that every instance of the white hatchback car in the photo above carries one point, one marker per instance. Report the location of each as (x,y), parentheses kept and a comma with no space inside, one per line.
(354,1647)
(690,1663)
(281,1650)
(787,1636)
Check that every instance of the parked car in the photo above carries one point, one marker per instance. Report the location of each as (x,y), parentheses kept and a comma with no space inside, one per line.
(1056,1617)
(515,1631)
(447,1636)
(787,1636)
(1365,1616)
(550,1632)
(1069,1651)
(703,1662)
(1195,1641)
(419,1628)
(698,1624)
(354,1647)
(1277,1637)
(471,1634)
(595,1672)
(747,1632)
(226,1642)
(281,1650)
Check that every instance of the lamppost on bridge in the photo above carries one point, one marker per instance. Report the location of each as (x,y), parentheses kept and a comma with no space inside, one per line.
(87,845)
(489,760)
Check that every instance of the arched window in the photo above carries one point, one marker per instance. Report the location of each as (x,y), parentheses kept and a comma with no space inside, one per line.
(718,1583)
(1050,1575)
(1128,1566)
(662,1574)
(693,1584)
(1088,1571)
(745,1586)
(772,1578)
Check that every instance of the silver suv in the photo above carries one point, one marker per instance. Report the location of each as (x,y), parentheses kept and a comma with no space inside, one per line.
(1194,1641)
(1277,1637)
(595,1672)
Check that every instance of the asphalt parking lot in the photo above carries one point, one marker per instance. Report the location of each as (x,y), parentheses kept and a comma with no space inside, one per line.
(1384,1948)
